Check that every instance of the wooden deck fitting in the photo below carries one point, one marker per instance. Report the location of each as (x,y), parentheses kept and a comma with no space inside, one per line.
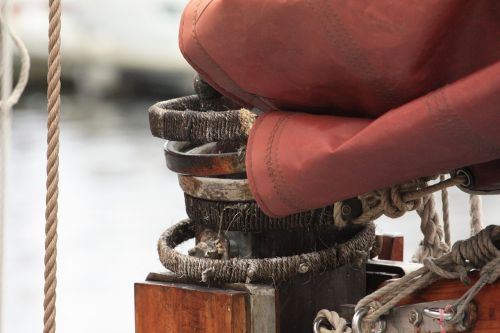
(163,304)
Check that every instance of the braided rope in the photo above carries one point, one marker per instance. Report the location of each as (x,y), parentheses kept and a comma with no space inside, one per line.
(54,100)
(433,244)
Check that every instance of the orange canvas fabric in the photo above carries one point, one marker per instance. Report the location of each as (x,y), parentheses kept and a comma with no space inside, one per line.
(381,91)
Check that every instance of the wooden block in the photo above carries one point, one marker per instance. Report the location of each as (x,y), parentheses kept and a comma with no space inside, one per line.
(392,248)
(185,308)
(285,308)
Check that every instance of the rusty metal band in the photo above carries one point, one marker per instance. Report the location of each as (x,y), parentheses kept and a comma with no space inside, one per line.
(248,217)
(200,121)
(263,269)
(189,159)
(216,189)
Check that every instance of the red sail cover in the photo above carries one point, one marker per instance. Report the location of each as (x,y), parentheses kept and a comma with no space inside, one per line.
(384,91)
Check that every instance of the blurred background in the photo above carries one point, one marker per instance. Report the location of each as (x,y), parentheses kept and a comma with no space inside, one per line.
(116,194)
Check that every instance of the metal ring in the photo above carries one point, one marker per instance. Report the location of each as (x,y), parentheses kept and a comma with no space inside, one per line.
(189,159)
(319,322)
(357,320)
(217,189)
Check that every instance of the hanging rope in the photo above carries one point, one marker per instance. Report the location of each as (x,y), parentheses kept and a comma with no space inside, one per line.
(8,100)
(54,100)
(446,213)
(476,218)
(432,245)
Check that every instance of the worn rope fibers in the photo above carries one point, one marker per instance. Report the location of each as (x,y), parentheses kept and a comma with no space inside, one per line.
(265,269)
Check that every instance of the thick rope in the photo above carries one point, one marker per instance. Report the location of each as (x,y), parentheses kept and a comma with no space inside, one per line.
(433,244)
(476,224)
(446,213)
(396,200)
(54,100)
(265,269)
(476,252)
(338,324)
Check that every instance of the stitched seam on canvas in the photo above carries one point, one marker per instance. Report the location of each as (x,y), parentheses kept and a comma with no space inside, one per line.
(253,184)
(448,122)
(272,169)
(342,39)
(212,61)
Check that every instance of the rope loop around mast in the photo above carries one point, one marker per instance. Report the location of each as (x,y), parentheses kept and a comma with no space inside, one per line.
(252,270)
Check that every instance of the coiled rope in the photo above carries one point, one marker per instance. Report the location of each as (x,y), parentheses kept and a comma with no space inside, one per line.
(53,106)
(275,269)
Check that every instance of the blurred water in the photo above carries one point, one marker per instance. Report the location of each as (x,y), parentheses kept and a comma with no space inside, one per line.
(116,197)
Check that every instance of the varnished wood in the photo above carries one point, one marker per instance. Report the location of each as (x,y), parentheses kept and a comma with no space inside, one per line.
(488,301)
(184,308)
(392,248)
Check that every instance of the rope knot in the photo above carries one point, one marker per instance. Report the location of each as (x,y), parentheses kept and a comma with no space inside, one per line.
(476,251)
(491,271)
(338,324)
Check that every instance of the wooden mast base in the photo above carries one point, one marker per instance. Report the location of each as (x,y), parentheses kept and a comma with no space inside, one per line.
(164,304)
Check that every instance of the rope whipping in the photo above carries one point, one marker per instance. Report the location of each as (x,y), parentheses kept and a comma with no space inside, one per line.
(9,98)
(53,107)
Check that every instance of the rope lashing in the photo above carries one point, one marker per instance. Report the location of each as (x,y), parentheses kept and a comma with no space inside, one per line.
(53,106)
(248,217)
(477,252)
(197,121)
(252,270)
(396,200)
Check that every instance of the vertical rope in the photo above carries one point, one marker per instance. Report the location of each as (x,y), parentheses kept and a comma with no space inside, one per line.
(5,109)
(53,108)
(446,213)
(432,245)
(476,218)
